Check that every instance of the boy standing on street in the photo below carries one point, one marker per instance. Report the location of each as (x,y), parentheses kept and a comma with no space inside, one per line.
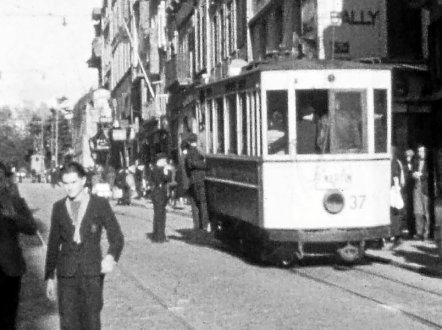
(74,251)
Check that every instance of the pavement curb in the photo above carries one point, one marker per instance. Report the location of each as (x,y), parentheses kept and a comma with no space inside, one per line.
(421,269)
(183,212)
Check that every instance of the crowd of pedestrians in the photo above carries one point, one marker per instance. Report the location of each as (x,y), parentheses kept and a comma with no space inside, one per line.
(165,181)
(410,217)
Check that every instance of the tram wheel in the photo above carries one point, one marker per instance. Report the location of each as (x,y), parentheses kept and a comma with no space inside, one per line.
(351,254)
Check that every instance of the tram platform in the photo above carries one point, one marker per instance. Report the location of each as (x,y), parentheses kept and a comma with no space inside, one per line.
(419,256)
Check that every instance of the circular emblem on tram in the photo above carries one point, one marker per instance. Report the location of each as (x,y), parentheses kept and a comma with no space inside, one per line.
(333,201)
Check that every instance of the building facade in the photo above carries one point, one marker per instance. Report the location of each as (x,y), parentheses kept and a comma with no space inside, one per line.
(177,45)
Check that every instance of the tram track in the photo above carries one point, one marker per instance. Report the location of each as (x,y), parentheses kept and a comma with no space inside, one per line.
(410,315)
(406,312)
(408,285)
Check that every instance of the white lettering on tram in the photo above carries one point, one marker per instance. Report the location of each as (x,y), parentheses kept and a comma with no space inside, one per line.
(326,178)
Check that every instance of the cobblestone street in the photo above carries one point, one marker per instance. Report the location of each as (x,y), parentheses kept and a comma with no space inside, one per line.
(195,282)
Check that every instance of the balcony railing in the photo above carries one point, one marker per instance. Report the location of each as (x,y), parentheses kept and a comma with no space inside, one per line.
(179,70)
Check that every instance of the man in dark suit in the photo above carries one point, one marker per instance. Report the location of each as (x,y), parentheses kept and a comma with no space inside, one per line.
(15,218)
(74,251)
(160,177)
(420,194)
(195,166)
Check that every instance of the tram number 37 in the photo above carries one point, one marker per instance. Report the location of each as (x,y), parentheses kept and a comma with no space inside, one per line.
(356,202)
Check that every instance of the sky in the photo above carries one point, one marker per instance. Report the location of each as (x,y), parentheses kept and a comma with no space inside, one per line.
(40,58)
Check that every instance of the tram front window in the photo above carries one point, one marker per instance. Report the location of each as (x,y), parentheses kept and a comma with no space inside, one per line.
(277,129)
(330,122)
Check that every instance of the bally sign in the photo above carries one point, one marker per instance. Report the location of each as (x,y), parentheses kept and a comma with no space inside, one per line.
(361,33)
(361,17)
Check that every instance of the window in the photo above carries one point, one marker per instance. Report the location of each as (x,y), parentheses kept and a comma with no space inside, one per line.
(241,23)
(209,125)
(380,120)
(312,122)
(222,34)
(204,38)
(220,125)
(331,122)
(279,32)
(233,131)
(230,28)
(258,120)
(215,41)
(348,124)
(277,128)
(243,120)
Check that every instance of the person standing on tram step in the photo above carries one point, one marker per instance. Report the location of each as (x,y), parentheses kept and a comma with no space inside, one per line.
(420,194)
(74,251)
(195,166)
(15,218)
(161,175)
(408,193)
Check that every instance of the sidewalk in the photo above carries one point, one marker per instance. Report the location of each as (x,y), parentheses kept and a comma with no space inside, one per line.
(418,256)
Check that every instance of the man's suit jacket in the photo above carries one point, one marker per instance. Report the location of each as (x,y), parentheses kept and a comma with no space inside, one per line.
(422,183)
(69,258)
(11,257)
(195,166)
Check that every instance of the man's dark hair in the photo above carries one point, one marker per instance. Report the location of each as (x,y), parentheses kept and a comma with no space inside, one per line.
(73,167)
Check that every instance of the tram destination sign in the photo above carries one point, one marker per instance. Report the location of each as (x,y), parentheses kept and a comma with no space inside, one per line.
(336,178)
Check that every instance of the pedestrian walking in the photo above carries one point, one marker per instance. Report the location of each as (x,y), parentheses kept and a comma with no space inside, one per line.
(15,218)
(160,176)
(408,193)
(74,252)
(121,182)
(420,194)
(195,166)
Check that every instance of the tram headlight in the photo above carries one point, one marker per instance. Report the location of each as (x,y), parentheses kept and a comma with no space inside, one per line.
(334,202)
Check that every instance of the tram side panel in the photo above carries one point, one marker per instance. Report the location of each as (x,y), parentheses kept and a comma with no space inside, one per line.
(294,194)
(233,190)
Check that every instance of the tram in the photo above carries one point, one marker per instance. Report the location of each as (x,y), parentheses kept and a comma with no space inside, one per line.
(298,157)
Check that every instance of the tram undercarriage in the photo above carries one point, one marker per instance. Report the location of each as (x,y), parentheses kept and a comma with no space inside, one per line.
(287,247)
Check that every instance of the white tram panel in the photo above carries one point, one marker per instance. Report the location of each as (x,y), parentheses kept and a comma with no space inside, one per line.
(294,194)
(326,79)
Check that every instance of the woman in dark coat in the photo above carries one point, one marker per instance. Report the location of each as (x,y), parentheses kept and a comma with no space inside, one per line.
(15,218)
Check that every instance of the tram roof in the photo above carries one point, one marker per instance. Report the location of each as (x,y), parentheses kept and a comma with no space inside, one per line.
(302,64)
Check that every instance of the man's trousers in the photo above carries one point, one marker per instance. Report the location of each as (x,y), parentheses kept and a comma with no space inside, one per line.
(9,299)
(80,300)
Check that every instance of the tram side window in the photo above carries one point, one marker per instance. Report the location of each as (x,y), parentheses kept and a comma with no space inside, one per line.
(220,125)
(312,121)
(380,120)
(277,128)
(209,125)
(233,131)
(243,111)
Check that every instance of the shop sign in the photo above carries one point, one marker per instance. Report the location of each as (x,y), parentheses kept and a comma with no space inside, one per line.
(102,144)
(119,134)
